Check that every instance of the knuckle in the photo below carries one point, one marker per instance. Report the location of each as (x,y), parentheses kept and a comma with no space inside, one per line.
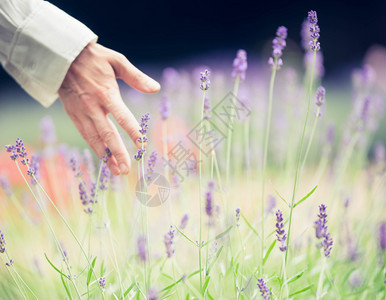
(94,139)
(122,120)
(107,135)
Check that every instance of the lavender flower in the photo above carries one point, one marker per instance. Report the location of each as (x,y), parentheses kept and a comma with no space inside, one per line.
(209,200)
(168,241)
(207,109)
(321,231)
(8,264)
(104,178)
(102,282)
(238,216)
(34,164)
(83,194)
(151,165)
(152,294)
(315,30)
(2,242)
(205,81)
(47,131)
(142,245)
(278,44)
(280,232)
(107,155)
(382,236)
(184,221)
(4,184)
(75,166)
(320,96)
(240,64)
(265,292)
(271,204)
(143,139)
(165,107)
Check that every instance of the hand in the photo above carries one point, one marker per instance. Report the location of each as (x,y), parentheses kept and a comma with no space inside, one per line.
(90,92)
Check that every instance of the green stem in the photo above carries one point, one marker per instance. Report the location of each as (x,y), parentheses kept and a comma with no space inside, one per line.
(266,141)
(298,159)
(311,138)
(321,278)
(200,191)
(14,279)
(50,227)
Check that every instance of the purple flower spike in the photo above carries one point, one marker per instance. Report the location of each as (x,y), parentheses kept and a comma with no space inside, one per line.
(320,96)
(75,166)
(265,292)
(165,107)
(102,283)
(184,221)
(321,231)
(2,242)
(238,216)
(139,154)
(151,165)
(205,81)
(104,178)
(169,241)
(152,294)
(382,236)
(144,124)
(142,245)
(240,64)
(315,30)
(209,200)
(207,109)
(280,232)
(278,44)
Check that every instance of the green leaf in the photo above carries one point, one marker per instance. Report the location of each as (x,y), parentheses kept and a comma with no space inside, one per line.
(296,277)
(301,291)
(183,234)
(171,285)
(219,236)
(249,225)
(66,287)
(90,271)
(55,268)
(215,259)
(194,273)
(277,193)
(204,288)
(269,252)
(128,290)
(305,197)
(210,296)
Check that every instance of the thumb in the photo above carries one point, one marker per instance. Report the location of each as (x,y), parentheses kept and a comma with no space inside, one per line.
(131,75)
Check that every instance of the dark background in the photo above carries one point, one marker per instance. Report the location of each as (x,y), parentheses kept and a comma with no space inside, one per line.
(162,32)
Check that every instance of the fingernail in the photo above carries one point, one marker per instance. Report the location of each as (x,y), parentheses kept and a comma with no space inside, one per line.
(124,168)
(154,85)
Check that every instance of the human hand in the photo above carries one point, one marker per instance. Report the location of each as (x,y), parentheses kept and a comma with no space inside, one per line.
(90,92)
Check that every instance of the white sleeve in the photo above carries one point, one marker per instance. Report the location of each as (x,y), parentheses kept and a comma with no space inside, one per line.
(38,43)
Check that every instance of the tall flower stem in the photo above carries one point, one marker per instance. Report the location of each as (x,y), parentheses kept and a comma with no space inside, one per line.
(166,161)
(321,277)
(60,249)
(14,279)
(200,191)
(230,130)
(266,141)
(70,229)
(311,138)
(299,158)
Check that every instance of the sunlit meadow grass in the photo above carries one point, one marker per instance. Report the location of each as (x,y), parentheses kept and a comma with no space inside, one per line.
(70,230)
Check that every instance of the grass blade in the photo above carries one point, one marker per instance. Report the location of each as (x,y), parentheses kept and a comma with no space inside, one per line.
(296,277)
(55,268)
(269,251)
(219,236)
(183,234)
(66,287)
(90,271)
(301,291)
(128,290)
(305,197)
(249,225)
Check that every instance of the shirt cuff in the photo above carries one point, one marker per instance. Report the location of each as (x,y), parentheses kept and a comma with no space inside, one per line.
(42,50)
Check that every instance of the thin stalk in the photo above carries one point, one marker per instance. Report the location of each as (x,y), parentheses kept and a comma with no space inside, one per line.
(321,278)
(311,137)
(166,160)
(200,192)
(22,281)
(266,141)
(14,279)
(298,159)
(229,136)
(70,229)
(50,226)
